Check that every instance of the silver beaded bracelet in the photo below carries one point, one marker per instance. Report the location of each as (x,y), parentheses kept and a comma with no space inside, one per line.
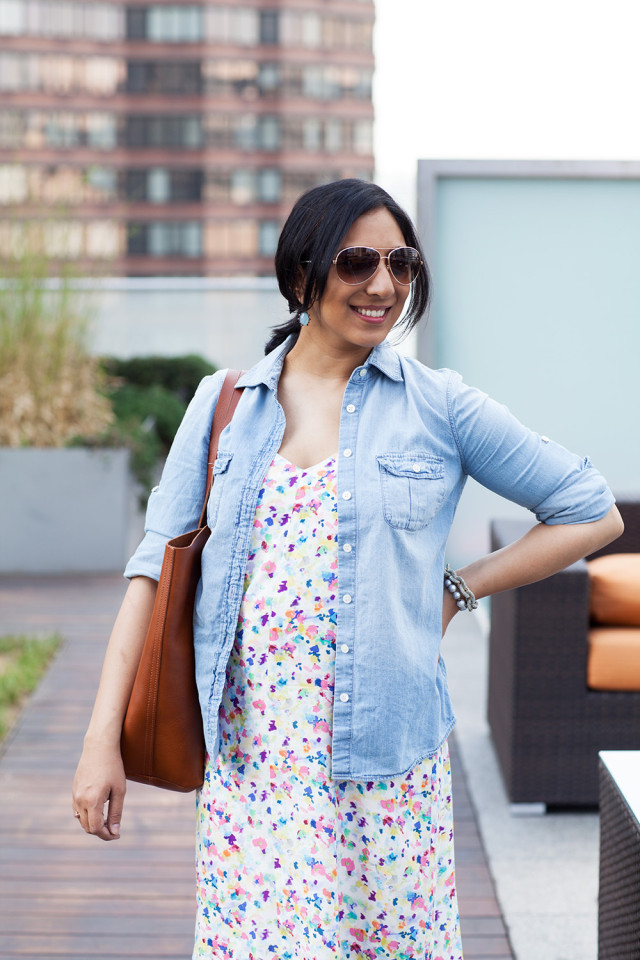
(456,586)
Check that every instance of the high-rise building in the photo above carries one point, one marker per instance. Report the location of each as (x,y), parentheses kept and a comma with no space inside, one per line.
(172,138)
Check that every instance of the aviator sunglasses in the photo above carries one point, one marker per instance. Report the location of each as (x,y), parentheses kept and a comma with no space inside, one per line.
(356,264)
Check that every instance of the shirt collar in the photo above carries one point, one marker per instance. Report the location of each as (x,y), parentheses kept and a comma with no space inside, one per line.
(268,370)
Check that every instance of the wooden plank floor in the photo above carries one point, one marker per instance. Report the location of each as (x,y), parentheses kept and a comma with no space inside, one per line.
(66,895)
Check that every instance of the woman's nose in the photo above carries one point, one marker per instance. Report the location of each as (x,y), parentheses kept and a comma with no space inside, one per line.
(381,283)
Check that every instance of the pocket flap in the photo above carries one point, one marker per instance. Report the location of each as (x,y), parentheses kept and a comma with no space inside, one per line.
(414,465)
(221,463)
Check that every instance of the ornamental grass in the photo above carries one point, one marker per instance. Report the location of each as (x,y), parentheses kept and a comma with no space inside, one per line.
(50,385)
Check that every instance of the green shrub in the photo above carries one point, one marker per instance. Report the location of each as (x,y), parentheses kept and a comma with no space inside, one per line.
(149,396)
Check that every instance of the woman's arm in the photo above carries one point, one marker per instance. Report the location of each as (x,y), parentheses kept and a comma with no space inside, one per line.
(542,551)
(100,775)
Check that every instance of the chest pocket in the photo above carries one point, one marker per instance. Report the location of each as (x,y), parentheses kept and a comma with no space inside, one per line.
(412,488)
(220,468)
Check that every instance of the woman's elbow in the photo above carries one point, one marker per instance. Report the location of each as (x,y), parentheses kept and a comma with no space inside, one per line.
(610,527)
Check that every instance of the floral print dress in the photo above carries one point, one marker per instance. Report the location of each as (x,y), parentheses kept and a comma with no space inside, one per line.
(292,865)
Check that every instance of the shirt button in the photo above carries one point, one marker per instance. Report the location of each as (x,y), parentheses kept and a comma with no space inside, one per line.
(347,598)
(347,452)
(346,495)
(344,697)
(416,467)
(351,408)
(362,373)
(545,439)
(347,547)
(345,648)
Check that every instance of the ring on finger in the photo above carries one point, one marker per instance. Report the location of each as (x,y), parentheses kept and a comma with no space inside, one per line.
(76,814)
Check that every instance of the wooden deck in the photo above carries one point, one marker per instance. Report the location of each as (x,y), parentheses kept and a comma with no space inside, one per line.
(66,895)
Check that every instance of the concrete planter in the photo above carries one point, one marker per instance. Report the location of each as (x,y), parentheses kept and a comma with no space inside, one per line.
(66,511)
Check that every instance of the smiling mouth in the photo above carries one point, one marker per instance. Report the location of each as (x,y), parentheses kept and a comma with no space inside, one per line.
(372,313)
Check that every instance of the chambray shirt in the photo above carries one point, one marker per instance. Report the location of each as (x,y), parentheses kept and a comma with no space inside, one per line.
(409,437)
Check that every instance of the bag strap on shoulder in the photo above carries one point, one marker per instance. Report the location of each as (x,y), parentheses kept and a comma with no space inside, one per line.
(225,408)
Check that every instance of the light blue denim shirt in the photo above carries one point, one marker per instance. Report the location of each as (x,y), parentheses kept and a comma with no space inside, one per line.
(409,437)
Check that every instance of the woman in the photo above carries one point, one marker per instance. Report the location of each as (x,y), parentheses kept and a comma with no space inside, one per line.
(324,823)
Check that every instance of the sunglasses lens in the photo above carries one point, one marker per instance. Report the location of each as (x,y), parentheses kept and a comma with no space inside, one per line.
(404,264)
(357,264)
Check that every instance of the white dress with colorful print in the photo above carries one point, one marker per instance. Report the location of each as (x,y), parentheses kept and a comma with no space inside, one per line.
(292,865)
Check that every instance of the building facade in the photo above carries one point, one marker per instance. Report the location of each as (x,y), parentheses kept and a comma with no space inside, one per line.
(157,138)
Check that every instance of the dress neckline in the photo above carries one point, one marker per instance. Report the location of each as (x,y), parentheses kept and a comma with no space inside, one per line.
(312,469)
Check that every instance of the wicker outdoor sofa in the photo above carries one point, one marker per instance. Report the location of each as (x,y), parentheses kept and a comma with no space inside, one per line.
(547,725)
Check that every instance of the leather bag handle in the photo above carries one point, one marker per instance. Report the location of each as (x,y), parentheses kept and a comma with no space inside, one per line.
(225,408)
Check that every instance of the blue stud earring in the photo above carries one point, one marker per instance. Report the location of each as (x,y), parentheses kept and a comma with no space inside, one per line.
(304,319)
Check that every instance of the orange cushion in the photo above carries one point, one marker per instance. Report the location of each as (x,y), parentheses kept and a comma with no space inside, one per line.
(615,589)
(614,658)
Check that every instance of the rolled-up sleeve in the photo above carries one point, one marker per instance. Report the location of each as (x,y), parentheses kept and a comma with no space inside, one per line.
(175,505)
(502,454)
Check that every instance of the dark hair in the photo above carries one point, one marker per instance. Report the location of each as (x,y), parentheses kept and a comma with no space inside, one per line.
(313,232)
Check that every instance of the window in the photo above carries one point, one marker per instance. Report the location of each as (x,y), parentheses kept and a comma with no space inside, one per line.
(136,23)
(101,131)
(101,184)
(174,24)
(165,239)
(333,135)
(268,234)
(245,132)
(243,186)
(269,185)
(312,135)
(158,185)
(269,26)
(269,77)
(362,136)
(269,133)
(13,17)
(102,239)
(170,77)
(163,131)
(13,183)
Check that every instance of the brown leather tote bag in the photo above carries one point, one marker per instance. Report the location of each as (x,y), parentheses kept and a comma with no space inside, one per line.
(162,740)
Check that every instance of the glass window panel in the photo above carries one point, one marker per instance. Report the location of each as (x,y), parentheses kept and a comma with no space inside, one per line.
(158,185)
(245,27)
(103,75)
(269,77)
(136,23)
(243,186)
(192,132)
(190,244)
(158,239)
(217,239)
(217,186)
(269,185)
(13,183)
(333,135)
(243,238)
(269,133)
(362,136)
(268,237)
(290,29)
(101,184)
(135,185)
(104,21)
(217,24)
(269,26)
(312,134)
(311,30)
(60,130)
(245,132)
(137,239)
(13,19)
(63,238)
(101,130)
(103,239)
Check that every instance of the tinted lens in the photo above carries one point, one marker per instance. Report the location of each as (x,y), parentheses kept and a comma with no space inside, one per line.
(357,264)
(404,263)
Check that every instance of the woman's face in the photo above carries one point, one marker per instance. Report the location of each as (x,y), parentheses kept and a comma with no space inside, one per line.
(363,314)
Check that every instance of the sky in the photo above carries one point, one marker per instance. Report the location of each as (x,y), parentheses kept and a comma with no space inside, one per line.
(503,79)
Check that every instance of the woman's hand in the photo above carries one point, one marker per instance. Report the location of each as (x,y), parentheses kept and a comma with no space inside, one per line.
(100,776)
(99,780)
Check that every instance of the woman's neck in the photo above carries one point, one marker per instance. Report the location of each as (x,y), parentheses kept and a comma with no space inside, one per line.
(318,359)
